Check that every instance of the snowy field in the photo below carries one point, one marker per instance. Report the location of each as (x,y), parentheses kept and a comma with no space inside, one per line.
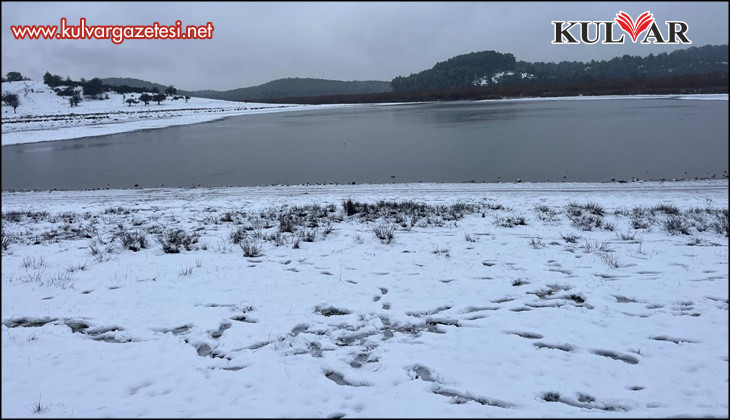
(45,116)
(405,300)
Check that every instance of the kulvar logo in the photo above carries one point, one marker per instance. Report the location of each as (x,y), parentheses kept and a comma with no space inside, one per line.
(603,31)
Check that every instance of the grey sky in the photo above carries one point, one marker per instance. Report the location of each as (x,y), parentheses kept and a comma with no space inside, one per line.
(254,43)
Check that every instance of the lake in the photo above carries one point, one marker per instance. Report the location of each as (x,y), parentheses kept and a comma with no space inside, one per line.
(489,141)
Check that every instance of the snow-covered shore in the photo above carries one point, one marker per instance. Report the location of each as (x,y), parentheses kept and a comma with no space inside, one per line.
(697,97)
(45,116)
(507,300)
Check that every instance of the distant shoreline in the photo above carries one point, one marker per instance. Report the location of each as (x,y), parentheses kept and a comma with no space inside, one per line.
(675,85)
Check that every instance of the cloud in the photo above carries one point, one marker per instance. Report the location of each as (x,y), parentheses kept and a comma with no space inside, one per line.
(257,42)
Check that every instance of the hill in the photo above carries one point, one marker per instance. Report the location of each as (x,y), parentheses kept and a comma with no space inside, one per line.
(491,68)
(295,87)
(132,82)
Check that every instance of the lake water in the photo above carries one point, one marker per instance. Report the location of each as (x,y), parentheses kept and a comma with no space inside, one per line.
(537,141)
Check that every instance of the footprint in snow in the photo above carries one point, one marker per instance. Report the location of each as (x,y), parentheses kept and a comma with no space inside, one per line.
(525,334)
(339,379)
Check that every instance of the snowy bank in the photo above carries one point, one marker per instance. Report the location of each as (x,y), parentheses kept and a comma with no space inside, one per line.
(402,300)
(699,97)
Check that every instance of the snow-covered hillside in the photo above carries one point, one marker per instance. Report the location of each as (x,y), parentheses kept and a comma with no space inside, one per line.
(45,116)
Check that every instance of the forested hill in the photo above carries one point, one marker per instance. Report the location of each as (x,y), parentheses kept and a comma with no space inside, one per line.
(489,68)
(132,82)
(296,87)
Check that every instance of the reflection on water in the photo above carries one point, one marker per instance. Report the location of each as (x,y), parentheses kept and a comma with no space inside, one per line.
(432,142)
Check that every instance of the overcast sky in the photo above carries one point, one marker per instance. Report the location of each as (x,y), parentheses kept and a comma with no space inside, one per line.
(254,43)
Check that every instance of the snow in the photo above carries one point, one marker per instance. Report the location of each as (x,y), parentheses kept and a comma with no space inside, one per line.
(706,97)
(457,317)
(484,81)
(698,97)
(497,77)
(45,116)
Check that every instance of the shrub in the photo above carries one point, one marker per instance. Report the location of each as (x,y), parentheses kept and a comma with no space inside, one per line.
(570,238)
(545,213)
(349,207)
(251,249)
(610,260)
(637,222)
(100,249)
(239,235)
(576,210)
(277,238)
(676,225)
(308,235)
(117,210)
(133,241)
(175,239)
(5,238)
(595,246)
(286,224)
(669,209)
(609,226)
(61,279)
(537,243)
(594,208)
(628,236)
(721,224)
(32,262)
(511,221)
(385,233)
(587,222)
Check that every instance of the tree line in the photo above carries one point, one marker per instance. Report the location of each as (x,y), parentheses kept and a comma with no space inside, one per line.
(494,68)
(661,85)
(96,89)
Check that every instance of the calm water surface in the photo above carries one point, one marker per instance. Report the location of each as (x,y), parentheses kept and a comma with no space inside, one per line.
(571,140)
